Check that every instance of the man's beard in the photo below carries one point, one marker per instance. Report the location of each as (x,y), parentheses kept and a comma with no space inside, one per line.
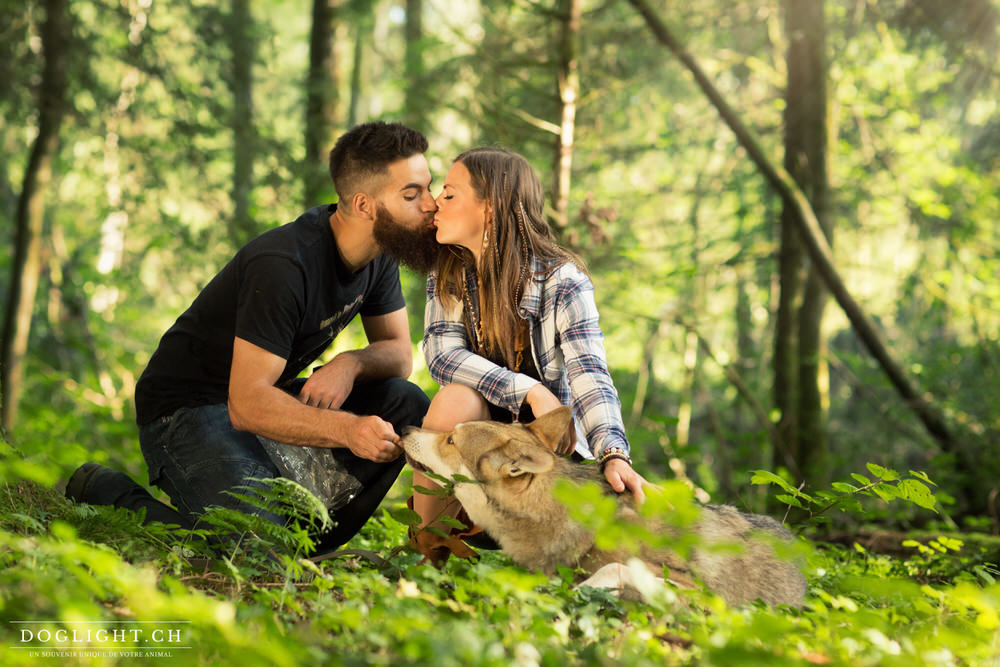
(415,248)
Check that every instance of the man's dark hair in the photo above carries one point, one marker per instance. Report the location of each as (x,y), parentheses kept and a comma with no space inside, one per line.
(366,151)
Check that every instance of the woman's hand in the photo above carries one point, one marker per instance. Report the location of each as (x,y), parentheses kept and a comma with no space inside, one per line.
(621,476)
(541,400)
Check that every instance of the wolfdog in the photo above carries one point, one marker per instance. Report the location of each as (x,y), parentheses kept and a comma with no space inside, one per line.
(513,469)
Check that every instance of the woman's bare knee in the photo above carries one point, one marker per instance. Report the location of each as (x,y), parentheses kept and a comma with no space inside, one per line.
(454,404)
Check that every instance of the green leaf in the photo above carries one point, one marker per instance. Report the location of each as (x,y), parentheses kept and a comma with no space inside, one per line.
(844,487)
(861,478)
(462,479)
(768,477)
(885,491)
(852,504)
(434,530)
(437,491)
(922,476)
(789,500)
(404,515)
(917,493)
(952,543)
(452,522)
(29,522)
(885,474)
(437,477)
(984,574)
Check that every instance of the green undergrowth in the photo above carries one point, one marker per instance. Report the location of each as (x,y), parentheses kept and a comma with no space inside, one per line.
(254,599)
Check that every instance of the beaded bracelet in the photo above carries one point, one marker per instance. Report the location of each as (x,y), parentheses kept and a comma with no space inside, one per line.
(613,453)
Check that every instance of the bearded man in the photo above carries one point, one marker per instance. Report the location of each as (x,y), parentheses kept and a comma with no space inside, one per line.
(221,402)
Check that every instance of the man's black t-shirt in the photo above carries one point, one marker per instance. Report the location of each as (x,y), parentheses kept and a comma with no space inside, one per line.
(287,291)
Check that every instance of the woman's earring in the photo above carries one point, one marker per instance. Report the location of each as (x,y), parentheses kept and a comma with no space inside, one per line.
(486,236)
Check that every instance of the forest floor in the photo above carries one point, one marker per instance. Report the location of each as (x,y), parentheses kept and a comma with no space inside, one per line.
(68,566)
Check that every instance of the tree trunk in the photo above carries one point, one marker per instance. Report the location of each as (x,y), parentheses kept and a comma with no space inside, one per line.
(112,249)
(786,338)
(805,160)
(745,348)
(568,87)
(812,234)
(723,463)
(357,71)
(242,47)
(644,376)
(415,107)
(746,355)
(733,375)
(685,408)
(321,101)
(694,308)
(26,261)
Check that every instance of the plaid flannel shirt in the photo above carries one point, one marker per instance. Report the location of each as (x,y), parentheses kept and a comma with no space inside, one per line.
(568,348)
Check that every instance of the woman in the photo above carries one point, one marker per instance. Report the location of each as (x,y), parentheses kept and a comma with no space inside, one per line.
(511,327)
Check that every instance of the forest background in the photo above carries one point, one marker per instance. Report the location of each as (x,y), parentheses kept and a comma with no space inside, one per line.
(146,141)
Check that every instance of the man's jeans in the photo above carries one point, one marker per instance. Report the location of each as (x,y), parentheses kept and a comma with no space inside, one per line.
(195,455)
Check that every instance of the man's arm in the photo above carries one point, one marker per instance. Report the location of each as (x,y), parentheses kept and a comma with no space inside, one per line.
(257,406)
(389,354)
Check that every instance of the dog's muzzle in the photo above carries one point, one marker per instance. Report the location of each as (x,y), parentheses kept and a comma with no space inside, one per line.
(408,432)
(412,434)
(416,465)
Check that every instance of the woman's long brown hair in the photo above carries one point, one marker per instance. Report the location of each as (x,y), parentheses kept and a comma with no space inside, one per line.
(517,232)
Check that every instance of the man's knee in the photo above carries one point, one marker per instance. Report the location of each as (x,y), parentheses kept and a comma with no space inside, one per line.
(199,460)
(408,393)
(402,403)
(213,482)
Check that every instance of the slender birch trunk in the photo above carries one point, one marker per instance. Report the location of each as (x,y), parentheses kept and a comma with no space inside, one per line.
(29,218)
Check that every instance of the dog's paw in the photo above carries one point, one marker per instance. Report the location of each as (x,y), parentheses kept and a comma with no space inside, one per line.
(635,581)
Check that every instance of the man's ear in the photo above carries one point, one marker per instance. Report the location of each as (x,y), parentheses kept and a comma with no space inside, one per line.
(551,427)
(364,205)
(528,461)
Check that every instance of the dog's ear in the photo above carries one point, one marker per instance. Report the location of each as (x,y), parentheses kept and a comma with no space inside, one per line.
(528,460)
(551,427)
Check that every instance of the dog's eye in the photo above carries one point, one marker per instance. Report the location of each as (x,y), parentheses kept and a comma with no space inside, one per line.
(450,440)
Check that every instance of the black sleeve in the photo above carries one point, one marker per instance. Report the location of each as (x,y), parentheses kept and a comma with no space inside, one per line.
(270,303)
(385,295)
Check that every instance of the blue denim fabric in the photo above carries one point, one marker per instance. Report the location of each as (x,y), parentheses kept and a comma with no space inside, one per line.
(195,455)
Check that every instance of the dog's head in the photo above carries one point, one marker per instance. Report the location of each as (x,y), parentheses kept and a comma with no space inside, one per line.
(490,452)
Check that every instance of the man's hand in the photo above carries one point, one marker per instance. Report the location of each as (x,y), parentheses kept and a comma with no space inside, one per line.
(541,400)
(372,438)
(621,476)
(330,385)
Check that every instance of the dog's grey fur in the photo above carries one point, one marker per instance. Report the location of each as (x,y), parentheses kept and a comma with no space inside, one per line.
(515,470)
